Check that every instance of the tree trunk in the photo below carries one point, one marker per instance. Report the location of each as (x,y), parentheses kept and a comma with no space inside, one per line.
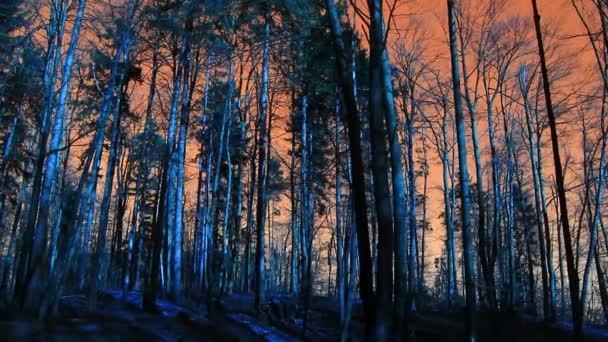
(38,268)
(97,278)
(469,271)
(88,181)
(358,171)
(260,267)
(596,216)
(169,226)
(412,203)
(32,238)
(380,163)
(294,207)
(573,279)
(340,274)
(225,234)
(548,297)
(249,232)
(425,174)
(399,202)
(186,98)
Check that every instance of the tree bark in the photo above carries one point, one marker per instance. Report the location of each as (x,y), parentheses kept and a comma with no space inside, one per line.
(467,241)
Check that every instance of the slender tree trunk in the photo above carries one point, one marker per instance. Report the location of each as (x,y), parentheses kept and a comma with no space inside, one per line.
(469,271)
(97,278)
(573,279)
(225,234)
(37,264)
(412,202)
(449,218)
(380,163)
(486,261)
(358,172)
(425,174)
(239,198)
(531,281)
(152,283)
(260,267)
(8,260)
(88,181)
(186,99)
(548,305)
(181,75)
(511,225)
(6,151)
(560,255)
(399,202)
(596,215)
(497,197)
(250,217)
(32,238)
(340,275)
(116,253)
(307,217)
(443,148)
(201,199)
(594,224)
(131,241)
(294,207)
(601,279)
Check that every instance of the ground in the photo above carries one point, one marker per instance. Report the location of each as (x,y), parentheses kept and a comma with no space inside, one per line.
(234,319)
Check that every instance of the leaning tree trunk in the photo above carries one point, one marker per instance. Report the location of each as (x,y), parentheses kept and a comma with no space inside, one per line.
(6,151)
(55,33)
(594,225)
(88,181)
(97,273)
(599,195)
(38,261)
(573,279)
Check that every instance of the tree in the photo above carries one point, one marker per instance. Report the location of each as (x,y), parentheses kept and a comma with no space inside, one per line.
(464,181)
(573,280)
(358,182)
(38,225)
(263,147)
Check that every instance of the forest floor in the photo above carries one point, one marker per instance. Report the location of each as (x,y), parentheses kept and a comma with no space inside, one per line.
(234,319)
